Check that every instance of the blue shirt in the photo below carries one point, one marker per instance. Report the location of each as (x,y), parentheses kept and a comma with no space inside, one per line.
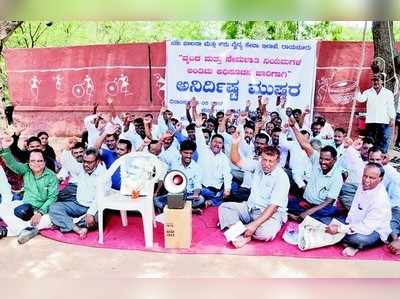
(108,157)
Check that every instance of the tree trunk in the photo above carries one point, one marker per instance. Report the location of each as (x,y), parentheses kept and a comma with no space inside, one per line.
(382,33)
(6,29)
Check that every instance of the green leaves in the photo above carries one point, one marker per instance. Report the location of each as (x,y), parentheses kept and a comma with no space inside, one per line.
(281,30)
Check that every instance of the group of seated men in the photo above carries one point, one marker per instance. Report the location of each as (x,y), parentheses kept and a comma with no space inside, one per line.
(245,163)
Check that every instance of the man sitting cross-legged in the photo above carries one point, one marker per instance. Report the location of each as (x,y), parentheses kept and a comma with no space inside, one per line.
(41,187)
(368,222)
(193,175)
(323,186)
(62,213)
(265,210)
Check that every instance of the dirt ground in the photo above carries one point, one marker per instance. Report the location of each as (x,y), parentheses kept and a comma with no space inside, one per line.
(44,268)
(44,258)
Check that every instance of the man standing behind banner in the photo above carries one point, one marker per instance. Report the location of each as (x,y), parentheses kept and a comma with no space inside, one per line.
(380,112)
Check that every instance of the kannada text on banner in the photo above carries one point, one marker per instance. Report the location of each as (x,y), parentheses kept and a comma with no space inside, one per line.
(230,72)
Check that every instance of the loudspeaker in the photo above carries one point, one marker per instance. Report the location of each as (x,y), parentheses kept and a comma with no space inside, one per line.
(175,183)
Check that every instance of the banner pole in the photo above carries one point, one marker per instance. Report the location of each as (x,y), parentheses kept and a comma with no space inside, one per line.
(353,108)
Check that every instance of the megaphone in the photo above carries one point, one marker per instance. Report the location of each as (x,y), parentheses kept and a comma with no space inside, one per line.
(175,183)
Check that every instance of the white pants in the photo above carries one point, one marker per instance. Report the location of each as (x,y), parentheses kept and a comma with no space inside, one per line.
(14,224)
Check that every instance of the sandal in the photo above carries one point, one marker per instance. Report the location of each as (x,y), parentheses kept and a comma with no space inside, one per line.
(197,211)
(3,232)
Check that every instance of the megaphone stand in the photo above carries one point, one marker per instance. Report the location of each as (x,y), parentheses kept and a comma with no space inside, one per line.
(178,212)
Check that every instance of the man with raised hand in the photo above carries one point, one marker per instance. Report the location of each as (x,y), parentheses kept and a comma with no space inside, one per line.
(108,156)
(41,187)
(323,186)
(216,170)
(265,210)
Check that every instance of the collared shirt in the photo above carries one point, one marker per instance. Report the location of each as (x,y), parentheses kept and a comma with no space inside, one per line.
(192,173)
(39,191)
(70,169)
(5,189)
(352,162)
(391,181)
(180,137)
(86,191)
(246,150)
(370,211)
(322,186)
(170,155)
(283,148)
(299,163)
(339,149)
(215,168)
(267,188)
(327,132)
(132,136)
(380,107)
(93,132)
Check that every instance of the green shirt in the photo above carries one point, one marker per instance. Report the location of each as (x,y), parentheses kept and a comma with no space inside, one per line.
(40,191)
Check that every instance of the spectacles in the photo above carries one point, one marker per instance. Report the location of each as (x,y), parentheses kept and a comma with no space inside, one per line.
(36,161)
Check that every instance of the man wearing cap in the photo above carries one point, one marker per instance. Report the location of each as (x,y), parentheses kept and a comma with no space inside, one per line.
(380,112)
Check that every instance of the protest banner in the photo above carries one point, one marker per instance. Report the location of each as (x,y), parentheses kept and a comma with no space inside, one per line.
(230,72)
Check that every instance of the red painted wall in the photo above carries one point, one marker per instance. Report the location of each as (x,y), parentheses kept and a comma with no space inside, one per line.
(60,109)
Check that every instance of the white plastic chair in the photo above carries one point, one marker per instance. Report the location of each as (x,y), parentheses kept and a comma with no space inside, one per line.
(138,171)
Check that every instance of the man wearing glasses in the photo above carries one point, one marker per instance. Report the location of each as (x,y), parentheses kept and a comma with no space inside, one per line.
(40,191)
(83,206)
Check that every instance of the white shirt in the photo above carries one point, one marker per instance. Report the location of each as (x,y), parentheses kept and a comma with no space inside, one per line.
(132,136)
(267,188)
(5,188)
(391,181)
(170,156)
(215,168)
(192,173)
(160,128)
(93,132)
(299,163)
(352,162)
(86,191)
(70,168)
(283,148)
(327,131)
(369,212)
(380,107)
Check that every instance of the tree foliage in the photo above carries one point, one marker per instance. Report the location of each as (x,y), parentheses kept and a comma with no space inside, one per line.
(281,30)
(62,34)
